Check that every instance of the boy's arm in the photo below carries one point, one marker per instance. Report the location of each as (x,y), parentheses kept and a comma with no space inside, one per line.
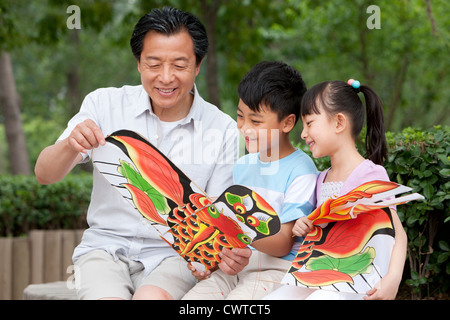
(298,201)
(279,244)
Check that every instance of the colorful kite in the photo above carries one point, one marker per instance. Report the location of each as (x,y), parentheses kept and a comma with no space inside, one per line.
(350,246)
(185,216)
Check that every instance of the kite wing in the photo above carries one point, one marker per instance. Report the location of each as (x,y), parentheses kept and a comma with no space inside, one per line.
(351,253)
(197,228)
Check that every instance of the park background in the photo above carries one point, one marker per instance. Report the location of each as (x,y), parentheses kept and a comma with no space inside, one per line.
(47,67)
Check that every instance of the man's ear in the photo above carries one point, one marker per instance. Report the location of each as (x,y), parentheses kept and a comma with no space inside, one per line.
(341,122)
(288,123)
(197,68)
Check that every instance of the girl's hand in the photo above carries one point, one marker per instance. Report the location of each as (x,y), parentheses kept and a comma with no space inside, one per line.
(385,289)
(302,226)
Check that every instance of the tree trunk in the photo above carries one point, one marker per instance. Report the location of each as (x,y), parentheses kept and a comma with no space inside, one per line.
(400,80)
(10,106)
(209,9)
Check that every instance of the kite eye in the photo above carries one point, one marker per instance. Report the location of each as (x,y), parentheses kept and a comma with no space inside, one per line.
(253,221)
(245,239)
(213,212)
(239,207)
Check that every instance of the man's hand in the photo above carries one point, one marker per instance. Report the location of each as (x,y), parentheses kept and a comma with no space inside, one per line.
(235,260)
(57,160)
(86,136)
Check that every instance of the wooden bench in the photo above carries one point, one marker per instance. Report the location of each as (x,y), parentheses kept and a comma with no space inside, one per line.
(57,290)
(38,263)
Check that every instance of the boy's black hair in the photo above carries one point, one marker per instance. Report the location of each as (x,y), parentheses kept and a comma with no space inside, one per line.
(274,85)
(170,21)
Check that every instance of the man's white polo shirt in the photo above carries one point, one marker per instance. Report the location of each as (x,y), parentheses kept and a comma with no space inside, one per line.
(204,145)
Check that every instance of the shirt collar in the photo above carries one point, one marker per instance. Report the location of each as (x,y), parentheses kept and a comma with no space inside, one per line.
(143,104)
(195,113)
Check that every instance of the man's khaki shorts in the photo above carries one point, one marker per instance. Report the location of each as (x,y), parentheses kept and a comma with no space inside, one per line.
(262,275)
(100,276)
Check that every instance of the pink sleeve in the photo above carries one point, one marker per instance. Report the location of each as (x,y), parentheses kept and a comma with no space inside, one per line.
(367,171)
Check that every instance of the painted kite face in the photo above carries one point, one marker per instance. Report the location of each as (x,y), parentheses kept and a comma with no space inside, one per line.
(252,210)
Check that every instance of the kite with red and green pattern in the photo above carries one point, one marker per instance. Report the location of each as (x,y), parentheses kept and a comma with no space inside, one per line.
(185,216)
(349,248)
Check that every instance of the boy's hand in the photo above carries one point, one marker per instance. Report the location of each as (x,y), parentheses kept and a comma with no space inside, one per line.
(302,226)
(200,275)
(235,260)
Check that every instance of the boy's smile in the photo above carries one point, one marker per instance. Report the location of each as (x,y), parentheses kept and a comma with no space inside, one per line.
(262,131)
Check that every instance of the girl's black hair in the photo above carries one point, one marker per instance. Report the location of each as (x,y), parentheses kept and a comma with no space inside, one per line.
(170,21)
(339,97)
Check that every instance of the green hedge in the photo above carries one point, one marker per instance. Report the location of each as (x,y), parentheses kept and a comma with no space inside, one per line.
(26,205)
(420,160)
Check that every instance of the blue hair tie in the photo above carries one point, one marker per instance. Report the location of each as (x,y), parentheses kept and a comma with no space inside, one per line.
(355,84)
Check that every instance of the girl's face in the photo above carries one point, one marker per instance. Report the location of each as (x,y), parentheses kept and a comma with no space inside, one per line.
(319,133)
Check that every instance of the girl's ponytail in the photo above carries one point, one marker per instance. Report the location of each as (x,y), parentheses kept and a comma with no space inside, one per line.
(376,144)
(339,96)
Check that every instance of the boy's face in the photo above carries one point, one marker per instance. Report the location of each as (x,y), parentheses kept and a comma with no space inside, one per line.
(261,130)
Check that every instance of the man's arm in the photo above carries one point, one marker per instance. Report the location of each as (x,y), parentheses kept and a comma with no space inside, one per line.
(56,161)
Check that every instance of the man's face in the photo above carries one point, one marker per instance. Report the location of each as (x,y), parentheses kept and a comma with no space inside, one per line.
(168,70)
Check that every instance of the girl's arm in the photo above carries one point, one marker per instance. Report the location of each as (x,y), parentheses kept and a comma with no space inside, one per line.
(387,288)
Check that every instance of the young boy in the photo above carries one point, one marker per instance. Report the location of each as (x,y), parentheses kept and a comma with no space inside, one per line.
(284,176)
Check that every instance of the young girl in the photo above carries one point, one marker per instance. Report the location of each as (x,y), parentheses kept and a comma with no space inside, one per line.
(333,116)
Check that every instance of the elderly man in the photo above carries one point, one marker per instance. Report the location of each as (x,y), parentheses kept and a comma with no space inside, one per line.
(121,256)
